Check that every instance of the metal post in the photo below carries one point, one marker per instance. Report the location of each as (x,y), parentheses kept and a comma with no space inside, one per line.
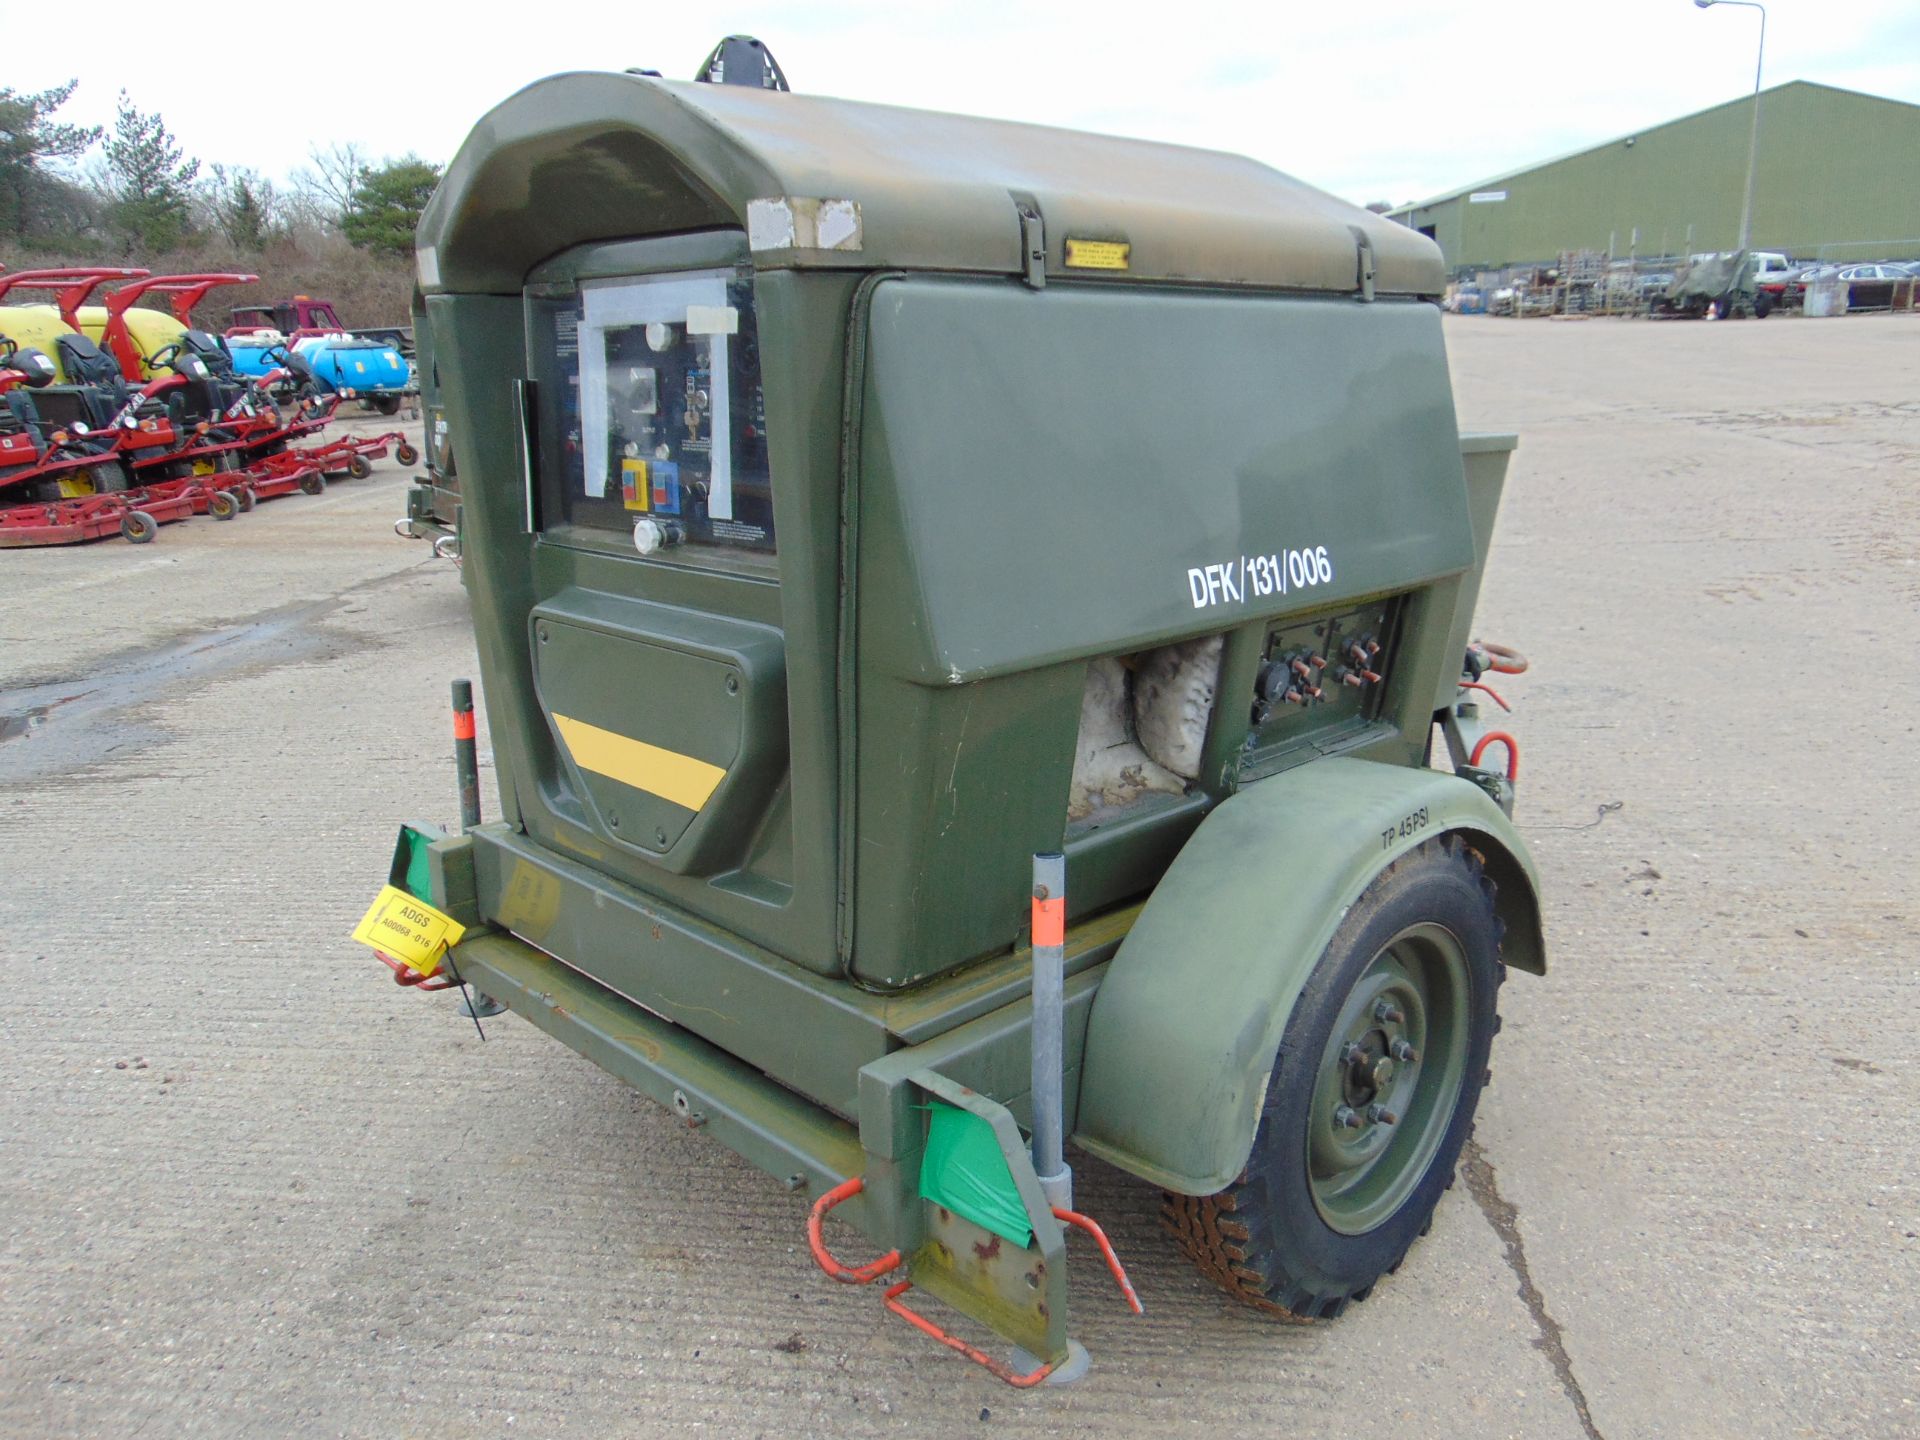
(466,762)
(1049,1027)
(1753,135)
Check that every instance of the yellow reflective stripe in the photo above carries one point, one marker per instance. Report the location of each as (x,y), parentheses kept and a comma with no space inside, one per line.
(685,781)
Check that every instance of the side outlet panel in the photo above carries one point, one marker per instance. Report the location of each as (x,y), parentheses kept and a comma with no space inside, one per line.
(1321,681)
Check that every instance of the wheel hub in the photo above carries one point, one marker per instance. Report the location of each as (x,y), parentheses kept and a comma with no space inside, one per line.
(1390,1079)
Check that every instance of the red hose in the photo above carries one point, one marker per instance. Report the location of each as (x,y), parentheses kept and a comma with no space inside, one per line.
(1476,685)
(1513,751)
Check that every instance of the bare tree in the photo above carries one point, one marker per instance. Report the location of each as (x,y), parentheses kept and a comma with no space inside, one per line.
(329,182)
(243,205)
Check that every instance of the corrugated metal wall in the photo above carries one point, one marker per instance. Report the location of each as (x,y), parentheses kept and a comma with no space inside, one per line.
(1836,176)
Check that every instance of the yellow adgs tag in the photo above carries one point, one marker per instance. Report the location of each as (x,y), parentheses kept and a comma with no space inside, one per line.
(409,930)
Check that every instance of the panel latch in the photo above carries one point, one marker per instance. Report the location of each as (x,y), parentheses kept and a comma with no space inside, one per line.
(1363,255)
(1033,241)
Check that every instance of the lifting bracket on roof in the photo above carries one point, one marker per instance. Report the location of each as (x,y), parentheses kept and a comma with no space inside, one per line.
(742,60)
(1363,254)
(1033,241)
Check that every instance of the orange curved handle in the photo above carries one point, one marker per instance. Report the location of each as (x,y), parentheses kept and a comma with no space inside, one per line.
(1001,1370)
(405,974)
(1513,751)
(817,1242)
(1119,1271)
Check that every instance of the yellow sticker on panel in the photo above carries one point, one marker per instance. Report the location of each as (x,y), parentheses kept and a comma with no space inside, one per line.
(687,782)
(633,485)
(408,929)
(1098,254)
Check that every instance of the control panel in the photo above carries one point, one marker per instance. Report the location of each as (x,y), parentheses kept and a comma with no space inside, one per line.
(1319,678)
(654,419)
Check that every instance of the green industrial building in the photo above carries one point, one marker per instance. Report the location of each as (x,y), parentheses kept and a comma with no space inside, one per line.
(1835,181)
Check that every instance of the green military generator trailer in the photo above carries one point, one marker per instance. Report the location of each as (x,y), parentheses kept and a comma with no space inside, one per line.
(964,611)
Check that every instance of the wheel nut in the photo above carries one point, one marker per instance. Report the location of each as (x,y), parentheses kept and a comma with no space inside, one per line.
(1346,1119)
(1349,1053)
(1381,1115)
(1404,1053)
(1388,1013)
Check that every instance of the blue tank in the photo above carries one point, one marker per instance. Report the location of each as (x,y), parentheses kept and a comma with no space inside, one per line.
(351,365)
(252,357)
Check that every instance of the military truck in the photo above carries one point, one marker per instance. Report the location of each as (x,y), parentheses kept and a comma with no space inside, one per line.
(964,612)
(1721,284)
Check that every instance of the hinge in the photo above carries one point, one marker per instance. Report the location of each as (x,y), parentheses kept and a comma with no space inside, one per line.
(1033,241)
(1363,257)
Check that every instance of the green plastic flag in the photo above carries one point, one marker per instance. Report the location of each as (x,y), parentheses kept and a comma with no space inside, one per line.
(964,1170)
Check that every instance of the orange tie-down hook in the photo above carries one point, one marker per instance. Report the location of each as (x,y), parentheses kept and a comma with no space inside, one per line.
(405,974)
(874,1269)
(1501,659)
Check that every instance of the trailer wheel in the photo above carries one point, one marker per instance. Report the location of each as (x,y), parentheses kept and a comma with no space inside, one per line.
(1762,305)
(313,484)
(386,404)
(1372,1096)
(359,467)
(405,454)
(138,527)
(222,506)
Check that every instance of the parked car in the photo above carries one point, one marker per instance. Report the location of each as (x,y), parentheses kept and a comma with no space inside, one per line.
(1871,287)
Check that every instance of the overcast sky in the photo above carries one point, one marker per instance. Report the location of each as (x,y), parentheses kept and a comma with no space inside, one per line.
(1390,100)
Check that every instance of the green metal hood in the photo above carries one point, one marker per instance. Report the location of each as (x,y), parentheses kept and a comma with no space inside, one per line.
(584,157)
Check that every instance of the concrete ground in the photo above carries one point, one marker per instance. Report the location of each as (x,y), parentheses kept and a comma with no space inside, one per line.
(248,1187)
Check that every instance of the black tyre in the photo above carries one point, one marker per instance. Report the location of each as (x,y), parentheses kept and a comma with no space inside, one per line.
(359,467)
(1762,305)
(139,527)
(109,477)
(405,454)
(222,505)
(1372,1096)
(386,404)
(313,484)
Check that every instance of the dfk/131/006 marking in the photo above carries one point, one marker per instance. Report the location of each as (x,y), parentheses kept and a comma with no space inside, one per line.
(1229,582)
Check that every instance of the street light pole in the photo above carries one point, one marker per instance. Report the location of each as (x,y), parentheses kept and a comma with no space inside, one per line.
(1753,138)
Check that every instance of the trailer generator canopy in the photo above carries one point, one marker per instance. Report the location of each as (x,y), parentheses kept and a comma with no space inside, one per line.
(836,184)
